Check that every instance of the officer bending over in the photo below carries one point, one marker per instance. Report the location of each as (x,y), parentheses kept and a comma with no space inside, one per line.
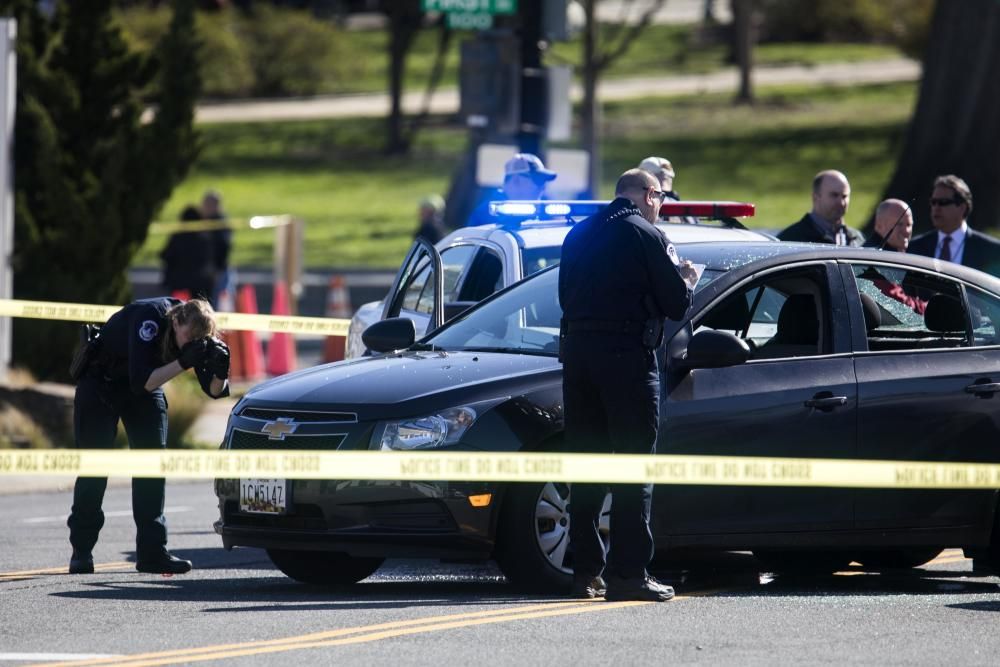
(141,347)
(618,278)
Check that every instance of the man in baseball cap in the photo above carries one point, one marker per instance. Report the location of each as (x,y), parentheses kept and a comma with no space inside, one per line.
(661,168)
(524,179)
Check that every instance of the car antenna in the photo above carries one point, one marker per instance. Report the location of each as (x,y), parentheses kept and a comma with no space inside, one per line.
(902,215)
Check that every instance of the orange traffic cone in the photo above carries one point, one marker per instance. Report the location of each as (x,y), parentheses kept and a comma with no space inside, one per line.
(338,305)
(232,339)
(253,354)
(182,294)
(281,348)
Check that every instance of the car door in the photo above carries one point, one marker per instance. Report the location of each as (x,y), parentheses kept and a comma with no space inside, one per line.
(928,364)
(418,290)
(795,397)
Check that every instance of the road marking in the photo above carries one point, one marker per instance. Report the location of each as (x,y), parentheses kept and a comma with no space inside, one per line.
(107,515)
(53,656)
(62,569)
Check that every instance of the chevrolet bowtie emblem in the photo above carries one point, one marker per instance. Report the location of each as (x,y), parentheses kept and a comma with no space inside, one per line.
(279,428)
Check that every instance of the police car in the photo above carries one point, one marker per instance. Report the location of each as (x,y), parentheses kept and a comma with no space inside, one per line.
(527,237)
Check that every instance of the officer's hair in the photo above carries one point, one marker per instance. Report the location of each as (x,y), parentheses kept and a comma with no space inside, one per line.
(198,314)
(635,180)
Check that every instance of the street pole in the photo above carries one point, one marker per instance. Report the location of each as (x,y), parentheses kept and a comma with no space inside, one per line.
(8,97)
(534,108)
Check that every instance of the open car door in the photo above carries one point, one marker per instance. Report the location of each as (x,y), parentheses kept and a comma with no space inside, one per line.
(418,289)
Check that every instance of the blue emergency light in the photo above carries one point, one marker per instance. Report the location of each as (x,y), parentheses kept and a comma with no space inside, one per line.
(543,210)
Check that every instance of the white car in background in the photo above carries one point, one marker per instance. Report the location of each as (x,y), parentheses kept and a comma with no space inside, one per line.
(527,237)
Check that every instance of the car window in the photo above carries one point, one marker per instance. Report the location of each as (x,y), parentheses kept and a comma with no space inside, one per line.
(453,263)
(906,309)
(523,320)
(785,314)
(534,260)
(985,311)
(485,277)
(413,290)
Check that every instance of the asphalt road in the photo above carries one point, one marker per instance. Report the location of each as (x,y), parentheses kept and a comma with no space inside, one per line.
(234,608)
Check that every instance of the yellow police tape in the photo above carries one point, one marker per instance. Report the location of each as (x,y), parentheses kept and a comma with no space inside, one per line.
(82,312)
(502,467)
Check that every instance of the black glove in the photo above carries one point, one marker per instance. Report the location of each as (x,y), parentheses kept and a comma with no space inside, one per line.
(218,358)
(193,353)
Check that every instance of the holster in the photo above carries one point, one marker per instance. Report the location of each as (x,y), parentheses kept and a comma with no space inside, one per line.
(652,328)
(86,352)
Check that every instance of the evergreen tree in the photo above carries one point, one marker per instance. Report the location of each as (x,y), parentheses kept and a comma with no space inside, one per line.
(90,175)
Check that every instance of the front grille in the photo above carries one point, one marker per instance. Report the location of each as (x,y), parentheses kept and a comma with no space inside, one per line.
(300,415)
(299,517)
(246,440)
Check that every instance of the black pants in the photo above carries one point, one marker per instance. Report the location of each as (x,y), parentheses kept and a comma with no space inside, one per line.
(98,406)
(611,393)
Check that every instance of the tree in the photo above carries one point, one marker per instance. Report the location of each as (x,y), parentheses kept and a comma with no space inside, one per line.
(743,39)
(954,128)
(595,60)
(90,175)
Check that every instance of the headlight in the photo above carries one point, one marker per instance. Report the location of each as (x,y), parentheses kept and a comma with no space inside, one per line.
(442,428)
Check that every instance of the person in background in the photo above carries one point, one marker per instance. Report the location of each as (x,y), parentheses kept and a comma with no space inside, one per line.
(893,226)
(141,347)
(831,196)
(952,239)
(189,259)
(431,219)
(661,168)
(222,244)
(525,178)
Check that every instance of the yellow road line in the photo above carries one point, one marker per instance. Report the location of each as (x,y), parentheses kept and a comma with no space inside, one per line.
(63,569)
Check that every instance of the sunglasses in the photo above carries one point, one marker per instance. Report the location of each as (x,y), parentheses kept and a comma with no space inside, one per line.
(659,194)
(946,202)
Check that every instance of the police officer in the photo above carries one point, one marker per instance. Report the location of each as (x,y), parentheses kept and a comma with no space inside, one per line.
(619,278)
(142,346)
(524,179)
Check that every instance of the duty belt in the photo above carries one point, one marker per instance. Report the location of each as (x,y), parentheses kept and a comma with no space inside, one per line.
(604,326)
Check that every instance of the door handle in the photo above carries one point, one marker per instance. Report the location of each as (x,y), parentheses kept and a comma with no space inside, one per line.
(826,401)
(983,389)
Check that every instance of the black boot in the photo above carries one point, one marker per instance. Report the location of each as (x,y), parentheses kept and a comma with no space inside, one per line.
(587,588)
(639,588)
(81,562)
(162,563)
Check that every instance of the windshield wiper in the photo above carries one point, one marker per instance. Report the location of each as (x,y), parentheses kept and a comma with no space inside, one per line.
(510,350)
(424,347)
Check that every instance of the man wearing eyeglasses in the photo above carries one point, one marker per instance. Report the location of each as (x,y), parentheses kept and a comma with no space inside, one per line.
(618,279)
(825,222)
(952,239)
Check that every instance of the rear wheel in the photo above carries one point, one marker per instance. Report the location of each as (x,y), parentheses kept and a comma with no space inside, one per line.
(533,536)
(802,562)
(896,559)
(323,568)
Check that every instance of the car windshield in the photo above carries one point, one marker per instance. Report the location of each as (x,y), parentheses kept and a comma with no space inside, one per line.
(535,259)
(523,320)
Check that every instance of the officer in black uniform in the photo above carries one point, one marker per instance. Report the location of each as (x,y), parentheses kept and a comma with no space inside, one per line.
(142,346)
(618,279)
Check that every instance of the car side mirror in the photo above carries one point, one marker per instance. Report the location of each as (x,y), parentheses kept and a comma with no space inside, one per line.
(394,333)
(715,349)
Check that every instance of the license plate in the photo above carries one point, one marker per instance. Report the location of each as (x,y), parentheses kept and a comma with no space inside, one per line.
(264,496)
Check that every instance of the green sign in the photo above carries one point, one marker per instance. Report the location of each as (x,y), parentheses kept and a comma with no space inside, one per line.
(489,7)
(466,21)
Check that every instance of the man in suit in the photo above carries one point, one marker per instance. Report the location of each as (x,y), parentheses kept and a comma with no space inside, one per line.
(825,223)
(952,239)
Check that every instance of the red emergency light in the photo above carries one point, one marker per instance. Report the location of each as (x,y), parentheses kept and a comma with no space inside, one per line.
(707,209)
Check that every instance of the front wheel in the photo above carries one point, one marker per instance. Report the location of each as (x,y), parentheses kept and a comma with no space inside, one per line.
(533,536)
(323,568)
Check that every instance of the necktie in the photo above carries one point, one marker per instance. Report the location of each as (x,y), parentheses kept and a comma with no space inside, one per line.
(945,249)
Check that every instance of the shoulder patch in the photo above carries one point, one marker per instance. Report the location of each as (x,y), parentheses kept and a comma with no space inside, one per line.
(672,254)
(148,330)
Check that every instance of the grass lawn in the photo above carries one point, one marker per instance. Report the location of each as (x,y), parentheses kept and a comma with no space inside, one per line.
(360,206)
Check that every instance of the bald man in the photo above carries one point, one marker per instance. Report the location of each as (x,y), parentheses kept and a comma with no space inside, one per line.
(893,226)
(825,222)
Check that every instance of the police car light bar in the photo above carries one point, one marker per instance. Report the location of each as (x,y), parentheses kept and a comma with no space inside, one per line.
(545,209)
(707,209)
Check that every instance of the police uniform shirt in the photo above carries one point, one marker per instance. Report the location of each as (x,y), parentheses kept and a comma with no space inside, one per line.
(612,261)
(132,344)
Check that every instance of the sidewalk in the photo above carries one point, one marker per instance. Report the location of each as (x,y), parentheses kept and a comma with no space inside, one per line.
(445,101)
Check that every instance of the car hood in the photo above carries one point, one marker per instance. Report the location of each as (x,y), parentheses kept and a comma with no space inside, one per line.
(372,383)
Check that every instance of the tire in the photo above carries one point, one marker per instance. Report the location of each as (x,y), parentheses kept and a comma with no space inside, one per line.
(533,536)
(802,562)
(323,568)
(896,559)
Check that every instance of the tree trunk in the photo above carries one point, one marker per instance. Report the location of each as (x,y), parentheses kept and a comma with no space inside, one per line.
(743,30)
(589,108)
(954,129)
(404,23)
